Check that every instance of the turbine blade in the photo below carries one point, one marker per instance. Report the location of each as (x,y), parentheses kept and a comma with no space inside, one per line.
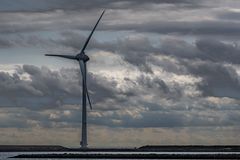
(89,101)
(62,56)
(89,37)
(83,69)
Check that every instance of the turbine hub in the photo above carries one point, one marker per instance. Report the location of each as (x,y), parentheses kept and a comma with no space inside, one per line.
(82,57)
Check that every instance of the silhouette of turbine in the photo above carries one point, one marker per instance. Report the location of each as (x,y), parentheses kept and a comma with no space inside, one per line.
(82,58)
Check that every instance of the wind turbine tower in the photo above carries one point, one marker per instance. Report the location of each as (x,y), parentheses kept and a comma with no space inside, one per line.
(82,58)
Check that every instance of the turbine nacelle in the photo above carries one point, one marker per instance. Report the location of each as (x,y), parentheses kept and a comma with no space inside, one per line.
(82,56)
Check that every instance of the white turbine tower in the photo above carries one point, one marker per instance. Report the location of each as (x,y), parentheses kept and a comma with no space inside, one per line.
(82,58)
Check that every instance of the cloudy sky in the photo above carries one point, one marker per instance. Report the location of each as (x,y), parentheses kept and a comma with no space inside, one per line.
(160,72)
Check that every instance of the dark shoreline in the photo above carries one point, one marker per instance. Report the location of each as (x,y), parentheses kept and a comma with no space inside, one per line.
(223,152)
(149,148)
(132,156)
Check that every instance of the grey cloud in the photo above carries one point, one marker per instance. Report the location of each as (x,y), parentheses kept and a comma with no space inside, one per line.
(119,118)
(218,51)
(178,48)
(157,87)
(229,15)
(204,49)
(233,117)
(151,119)
(206,60)
(130,111)
(44,89)
(134,50)
(45,5)
(198,28)
(153,83)
(139,52)
(102,88)
(169,65)
(62,20)
(148,100)
(169,119)
(5,43)
(51,82)
(47,89)
(26,41)
(11,120)
(224,29)
(164,119)
(75,41)
(217,80)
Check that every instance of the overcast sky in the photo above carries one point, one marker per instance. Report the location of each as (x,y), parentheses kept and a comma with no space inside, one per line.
(160,72)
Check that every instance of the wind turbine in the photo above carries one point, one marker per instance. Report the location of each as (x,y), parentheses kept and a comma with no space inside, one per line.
(82,58)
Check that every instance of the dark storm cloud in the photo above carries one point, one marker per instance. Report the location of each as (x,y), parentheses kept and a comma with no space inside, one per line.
(198,28)
(218,51)
(204,49)
(207,59)
(59,88)
(45,89)
(134,50)
(103,89)
(5,43)
(75,41)
(178,48)
(218,80)
(229,15)
(41,90)
(52,19)
(140,52)
(55,20)
(158,87)
(62,20)
(137,104)
(45,5)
